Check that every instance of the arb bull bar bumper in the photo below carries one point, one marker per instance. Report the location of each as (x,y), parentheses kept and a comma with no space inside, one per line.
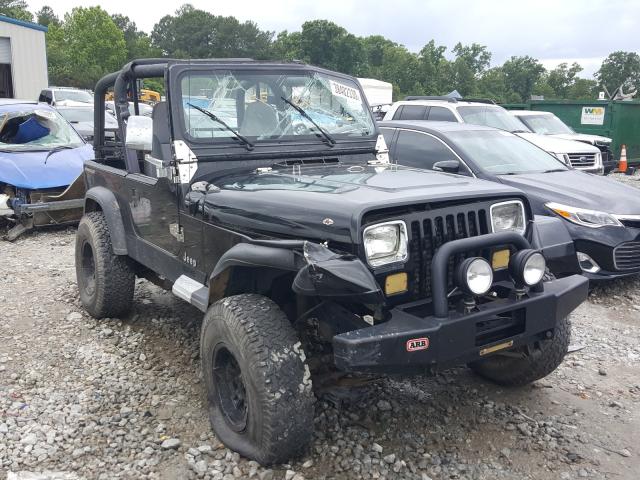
(410,341)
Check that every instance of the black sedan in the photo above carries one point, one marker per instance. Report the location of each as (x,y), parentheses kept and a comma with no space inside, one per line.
(602,215)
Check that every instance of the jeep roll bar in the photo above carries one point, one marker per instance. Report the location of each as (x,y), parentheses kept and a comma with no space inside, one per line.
(121,80)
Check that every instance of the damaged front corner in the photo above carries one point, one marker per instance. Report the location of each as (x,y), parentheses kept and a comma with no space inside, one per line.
(331,274)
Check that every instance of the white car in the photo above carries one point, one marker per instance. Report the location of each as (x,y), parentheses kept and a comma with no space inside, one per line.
(579,155)
(65,96)
(546,123)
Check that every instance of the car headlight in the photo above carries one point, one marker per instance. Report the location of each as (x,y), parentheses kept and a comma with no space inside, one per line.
(385,243)
(508,217)
(584,217)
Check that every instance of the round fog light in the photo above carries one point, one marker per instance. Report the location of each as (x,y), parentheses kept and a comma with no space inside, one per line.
(474,275)
(527,267)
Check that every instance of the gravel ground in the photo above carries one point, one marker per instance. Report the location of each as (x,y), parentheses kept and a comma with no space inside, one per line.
(123,398)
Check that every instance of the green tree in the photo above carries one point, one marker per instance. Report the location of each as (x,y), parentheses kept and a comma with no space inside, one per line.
(543,89)
(493,85)
(286,46)
(194,33)
(562,78)
(521,75)
(392,62)
(468,65)
(620,68)
(583,89)
(15,9)
(138,43)
(87,46)
(328,45)
(435,70)
(46,16)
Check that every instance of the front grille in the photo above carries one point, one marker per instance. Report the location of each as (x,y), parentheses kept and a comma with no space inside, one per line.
(582,160)
(429,230)
(628,222)
(626,256)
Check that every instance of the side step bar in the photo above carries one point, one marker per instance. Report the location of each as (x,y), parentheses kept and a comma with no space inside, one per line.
(191,291)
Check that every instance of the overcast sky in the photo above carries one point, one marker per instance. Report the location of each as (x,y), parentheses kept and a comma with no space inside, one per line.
(552,31)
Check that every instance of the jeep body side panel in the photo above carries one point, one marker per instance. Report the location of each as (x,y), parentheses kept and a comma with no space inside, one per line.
(137,220)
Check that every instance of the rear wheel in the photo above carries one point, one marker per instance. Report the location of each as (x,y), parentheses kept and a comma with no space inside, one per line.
(258,384)
(106,281)
(523,366)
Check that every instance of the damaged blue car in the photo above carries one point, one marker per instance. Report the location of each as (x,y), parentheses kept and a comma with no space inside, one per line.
(41,159)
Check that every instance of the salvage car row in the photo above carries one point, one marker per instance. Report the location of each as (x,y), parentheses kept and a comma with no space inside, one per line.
(43,146)
(314,239)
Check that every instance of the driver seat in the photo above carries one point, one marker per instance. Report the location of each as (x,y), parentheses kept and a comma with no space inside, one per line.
(259,118)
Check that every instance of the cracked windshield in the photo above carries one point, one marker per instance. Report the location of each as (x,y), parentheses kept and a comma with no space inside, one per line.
(254,106)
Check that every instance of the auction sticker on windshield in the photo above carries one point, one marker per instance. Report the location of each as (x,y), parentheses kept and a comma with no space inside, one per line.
(344,91)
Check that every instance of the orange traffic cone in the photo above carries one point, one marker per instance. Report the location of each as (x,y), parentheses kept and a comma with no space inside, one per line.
(622,165)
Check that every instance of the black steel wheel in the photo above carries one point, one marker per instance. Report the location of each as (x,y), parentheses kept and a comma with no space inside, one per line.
(88,269)
(231,392)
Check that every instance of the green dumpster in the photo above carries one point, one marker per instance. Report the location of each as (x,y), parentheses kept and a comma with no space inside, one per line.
(618,120)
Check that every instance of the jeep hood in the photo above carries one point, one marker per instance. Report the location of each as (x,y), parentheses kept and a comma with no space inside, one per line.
(577,189)
(28,169)
(328,202)
(558,145)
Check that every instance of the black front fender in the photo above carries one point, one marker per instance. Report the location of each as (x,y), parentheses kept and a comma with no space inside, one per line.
(552,238)
(319,272)
(333,275)
(109,206)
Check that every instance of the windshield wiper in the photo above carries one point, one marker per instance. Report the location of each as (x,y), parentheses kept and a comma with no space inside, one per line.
(329,140)
(520,131)
(247,144)
(57,149)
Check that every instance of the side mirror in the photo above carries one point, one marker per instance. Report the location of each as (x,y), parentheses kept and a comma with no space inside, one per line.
(139,133)
(448,166)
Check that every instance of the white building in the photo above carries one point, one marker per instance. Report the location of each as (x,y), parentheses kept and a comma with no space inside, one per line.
(23,59)
(377,91)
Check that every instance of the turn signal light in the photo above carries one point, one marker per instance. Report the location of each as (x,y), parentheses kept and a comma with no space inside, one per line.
(396,283)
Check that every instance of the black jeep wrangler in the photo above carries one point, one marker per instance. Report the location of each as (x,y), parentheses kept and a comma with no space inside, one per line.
(262,194)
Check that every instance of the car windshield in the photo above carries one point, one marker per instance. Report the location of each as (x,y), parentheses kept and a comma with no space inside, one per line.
(258,106)
(85,114)
(38,129)
(492,116)
(547,124)
(75,115)
(73,95)
(501,153)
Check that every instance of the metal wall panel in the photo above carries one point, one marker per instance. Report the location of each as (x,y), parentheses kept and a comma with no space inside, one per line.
(28,59)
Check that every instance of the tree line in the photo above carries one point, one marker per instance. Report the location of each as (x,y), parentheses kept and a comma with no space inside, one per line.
(88,43)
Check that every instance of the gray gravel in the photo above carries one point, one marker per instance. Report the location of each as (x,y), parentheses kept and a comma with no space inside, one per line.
(122,398)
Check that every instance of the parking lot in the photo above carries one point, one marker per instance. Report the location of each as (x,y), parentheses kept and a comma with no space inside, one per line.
(122,398)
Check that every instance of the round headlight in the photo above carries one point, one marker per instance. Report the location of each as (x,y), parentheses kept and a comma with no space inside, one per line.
(474,275)
(527,267)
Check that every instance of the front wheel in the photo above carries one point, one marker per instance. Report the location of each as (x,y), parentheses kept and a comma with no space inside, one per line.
(258,384)
(106,281)
(523,366)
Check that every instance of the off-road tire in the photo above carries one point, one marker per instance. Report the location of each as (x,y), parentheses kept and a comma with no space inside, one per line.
(110,292)
(278,423)
(540,362)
